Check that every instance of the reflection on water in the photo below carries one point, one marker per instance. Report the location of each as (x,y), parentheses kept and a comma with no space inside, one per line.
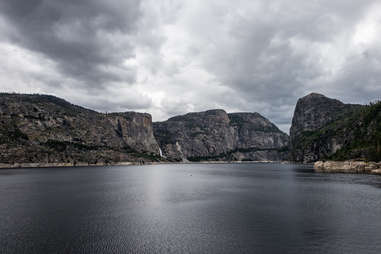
(193,208)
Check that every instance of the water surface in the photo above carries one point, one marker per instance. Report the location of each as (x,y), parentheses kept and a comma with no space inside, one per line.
(199,208)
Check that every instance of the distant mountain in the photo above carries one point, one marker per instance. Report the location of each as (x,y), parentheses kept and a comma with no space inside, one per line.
(46,129)
(324,128)
(216,135)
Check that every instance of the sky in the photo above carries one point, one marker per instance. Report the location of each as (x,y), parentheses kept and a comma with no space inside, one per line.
(170,57)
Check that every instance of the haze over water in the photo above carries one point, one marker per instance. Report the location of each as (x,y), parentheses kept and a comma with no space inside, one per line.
(189,208)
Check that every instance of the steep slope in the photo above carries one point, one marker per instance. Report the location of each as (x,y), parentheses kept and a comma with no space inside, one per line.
(41,128)
(324,128)
(216,135)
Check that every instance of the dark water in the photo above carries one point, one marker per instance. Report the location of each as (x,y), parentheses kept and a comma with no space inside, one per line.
(248,208)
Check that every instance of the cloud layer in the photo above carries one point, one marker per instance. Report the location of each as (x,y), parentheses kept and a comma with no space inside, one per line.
(169,57)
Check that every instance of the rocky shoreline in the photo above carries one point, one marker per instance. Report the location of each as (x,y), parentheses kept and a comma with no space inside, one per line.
(63,165)
(84,164)
(350,167)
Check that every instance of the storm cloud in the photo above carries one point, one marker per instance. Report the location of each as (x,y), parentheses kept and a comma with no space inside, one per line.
(87,39)
(169,57)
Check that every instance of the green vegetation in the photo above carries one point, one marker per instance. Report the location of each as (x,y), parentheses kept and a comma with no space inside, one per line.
(229,154)
(63,145)
(359,131)
(147,155)
(11,134)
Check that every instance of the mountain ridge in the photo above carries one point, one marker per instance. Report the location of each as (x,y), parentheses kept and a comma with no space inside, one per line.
(218,135)
(46,129)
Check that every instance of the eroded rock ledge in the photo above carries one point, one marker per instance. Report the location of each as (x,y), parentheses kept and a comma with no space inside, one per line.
(353,167)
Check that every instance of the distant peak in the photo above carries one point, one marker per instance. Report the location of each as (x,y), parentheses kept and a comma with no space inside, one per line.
(314,95)
(211,112)
(214,111)
(318,97)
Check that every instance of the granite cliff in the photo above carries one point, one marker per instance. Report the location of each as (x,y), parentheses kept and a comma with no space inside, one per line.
(324,128)
(46,129)
(216,135)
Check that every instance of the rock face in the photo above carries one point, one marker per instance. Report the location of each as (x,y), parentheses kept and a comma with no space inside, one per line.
(41,128)
(312,113)
(324,128)
(216,135)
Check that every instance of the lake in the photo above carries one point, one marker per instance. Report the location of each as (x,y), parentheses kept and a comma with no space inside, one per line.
(189,208)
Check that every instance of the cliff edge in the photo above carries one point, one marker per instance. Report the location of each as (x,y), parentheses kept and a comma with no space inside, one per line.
(47,129)
(327,129)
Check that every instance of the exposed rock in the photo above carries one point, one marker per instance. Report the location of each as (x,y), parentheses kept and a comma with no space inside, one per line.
(354,167)
(135,129)
(46,129)
(313,112)
(313,133)
(216,135)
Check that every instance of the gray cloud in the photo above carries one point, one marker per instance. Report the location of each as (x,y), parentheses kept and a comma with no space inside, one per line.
(87,39)
(270,54)
(168,57)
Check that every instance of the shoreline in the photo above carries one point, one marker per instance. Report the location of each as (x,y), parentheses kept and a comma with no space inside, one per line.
(4,166)
(348,167)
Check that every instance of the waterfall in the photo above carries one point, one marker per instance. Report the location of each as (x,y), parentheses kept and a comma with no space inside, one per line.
(160,152)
